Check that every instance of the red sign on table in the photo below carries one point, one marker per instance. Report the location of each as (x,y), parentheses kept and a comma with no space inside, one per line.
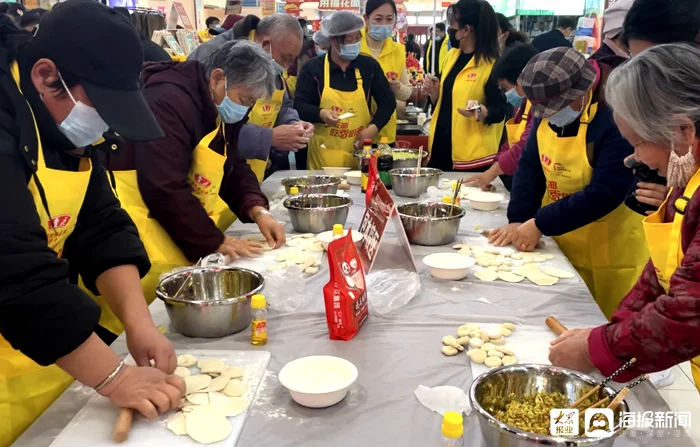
(379,212)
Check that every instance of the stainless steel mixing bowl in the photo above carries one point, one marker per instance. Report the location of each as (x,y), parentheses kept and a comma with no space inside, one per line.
(312,184)
(214,302)
(408,162)
(490,392)
(412,182)
(316,213)
(430,223)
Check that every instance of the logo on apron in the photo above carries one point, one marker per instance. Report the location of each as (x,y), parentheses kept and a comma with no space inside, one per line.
(337,109)
(59,221)
(266,108)
(202,180)
(471,76)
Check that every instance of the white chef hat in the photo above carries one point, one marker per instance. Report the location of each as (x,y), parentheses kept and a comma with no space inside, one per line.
(321,39)
(342,23)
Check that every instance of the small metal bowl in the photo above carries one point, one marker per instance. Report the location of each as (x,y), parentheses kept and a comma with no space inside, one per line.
(316,213)
(412,182)
(214,301)
(312,184)
(430,223)
(408,162)
(490,392)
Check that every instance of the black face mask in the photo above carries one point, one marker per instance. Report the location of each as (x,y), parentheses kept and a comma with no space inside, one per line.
(452,33)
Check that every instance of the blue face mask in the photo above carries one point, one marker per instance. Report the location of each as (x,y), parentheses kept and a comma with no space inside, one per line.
(564,117)
(381,33)
(321,52)
(513,98)
(230,111)
(349,52)
(278,68)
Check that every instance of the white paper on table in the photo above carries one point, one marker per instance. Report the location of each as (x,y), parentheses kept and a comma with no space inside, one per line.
(442,399)
(346,115)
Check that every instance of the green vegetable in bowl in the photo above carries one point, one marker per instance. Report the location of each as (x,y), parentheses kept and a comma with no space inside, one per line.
(405,155)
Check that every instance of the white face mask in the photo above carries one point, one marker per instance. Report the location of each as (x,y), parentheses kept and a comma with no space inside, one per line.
(83,125)
(680,169)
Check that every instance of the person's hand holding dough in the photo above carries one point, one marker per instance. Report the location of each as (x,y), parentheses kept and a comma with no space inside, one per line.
(527,236)
(504,235)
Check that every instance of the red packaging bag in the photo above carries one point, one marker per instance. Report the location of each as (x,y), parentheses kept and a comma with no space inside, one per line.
(346,294)
(372,177)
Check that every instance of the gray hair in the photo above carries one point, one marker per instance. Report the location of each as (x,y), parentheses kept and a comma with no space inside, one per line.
(279,26)
(655,90)
(245,64)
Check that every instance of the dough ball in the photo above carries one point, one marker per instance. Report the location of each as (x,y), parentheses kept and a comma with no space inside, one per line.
(509,360)
(463,331)
(505,332)
(493,362)
(494,334)
(186,360)
(449,351)
(476,342)
(198,398)
(509,326)
(472,326)
(176,423)
(488,347)
(196,383)
(494,353)
(181,371)
(499,342)
(317,263)
(484,336)
(207,425)
(211,366)
(236,388)
(507,252)
(558,273)
(504,349)
(311,270)
(486,275)
(477,355)
(475,334)
(463,340)
(218,384)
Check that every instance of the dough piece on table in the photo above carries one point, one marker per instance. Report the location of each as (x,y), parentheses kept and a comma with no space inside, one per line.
(476,342)
(211,366)
(317,248)
(217,399)
(507,261)
(482,263)
(198,398)
(308,235)
(484,336)
(477,355)
(506,350)
(517,256)
(510,326)
(196,383)
(233,372)
(493,250)
(493,268)
(463,340)
(459,246)
(234,406)
(484,256)
(207,425)
(548,257)
(189,407)
(504,268)
(493,362)
(558,273)
(236,388)
(517,263)
(472,326)
(509,277)
(504,331)
(317,263)
(486,275)
(543,280)
(538,259)
(186,360)
(499,342)
(495,262)
(464,251)
(449,351)
(266,247)
(293,242)
(281,258)
(297,236)
(311,270)
(463,331)
(494,334)
(218,384)
(509,360)
(488,347)
(181,371)
(475,334)
(176,423)
(494,353)
(507,252)
(308,262)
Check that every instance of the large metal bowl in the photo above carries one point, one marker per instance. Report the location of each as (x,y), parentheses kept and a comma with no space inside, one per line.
(490,392)
(316,213)
(430,223)
(412,182)
(409,162)
(312,184)
(214,303)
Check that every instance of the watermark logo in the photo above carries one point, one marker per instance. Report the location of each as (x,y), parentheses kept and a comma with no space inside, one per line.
(599,422)
(563,422)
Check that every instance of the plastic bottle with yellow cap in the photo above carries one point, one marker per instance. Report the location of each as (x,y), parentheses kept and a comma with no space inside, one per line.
(258,327)
(448,200)
(293,190)
(452,429)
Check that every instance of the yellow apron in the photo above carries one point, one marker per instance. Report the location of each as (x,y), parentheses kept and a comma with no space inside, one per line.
(26,388)
(393,61)
(473,143)
(665,246)
(515,130)
(291,82)
(339,141)
(264,114)
(205,178)
(204,35)
(609,253)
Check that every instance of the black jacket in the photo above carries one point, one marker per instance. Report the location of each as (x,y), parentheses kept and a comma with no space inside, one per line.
(42,312)
(551,39)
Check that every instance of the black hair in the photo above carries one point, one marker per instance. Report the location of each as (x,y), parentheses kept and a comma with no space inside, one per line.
(662,21)
(566,22)
(32,17)
(440,26)
(372,5)
(16,11)
(513,61)
(244,26)
(211,20)
(411,37)
(505,26)
(479,15)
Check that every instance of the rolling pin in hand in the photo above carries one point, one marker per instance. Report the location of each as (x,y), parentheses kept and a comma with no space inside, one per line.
(555,325)
(122,425)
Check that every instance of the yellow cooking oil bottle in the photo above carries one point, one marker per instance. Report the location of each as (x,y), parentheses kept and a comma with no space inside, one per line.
(258,327)
(452,429)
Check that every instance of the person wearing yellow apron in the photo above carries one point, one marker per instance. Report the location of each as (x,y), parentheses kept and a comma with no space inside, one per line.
(379,17)
(183,198)
(61,218)
(507,70)
(334,92)
(467,124)
(437,45)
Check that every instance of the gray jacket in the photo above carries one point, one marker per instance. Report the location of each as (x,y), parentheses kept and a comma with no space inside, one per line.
(254,142)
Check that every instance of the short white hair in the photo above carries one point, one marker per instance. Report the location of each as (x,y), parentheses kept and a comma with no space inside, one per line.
(279,26)
(654,91)
(245,64)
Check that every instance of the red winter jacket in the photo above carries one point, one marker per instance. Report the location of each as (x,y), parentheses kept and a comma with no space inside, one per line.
(659,329)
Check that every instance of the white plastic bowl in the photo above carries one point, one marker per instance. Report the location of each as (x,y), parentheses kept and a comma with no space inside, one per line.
(335,172)
(452,266)
(485,201)
(354,177)
(327,237)
(318,381)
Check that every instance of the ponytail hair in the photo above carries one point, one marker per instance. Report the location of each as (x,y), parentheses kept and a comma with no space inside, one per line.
(478,14)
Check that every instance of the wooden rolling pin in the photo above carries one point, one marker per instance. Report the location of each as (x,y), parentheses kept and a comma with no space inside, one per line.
(122,425)
(555,325)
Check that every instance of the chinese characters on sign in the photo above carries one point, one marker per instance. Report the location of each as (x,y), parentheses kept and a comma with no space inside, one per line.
(338,5)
